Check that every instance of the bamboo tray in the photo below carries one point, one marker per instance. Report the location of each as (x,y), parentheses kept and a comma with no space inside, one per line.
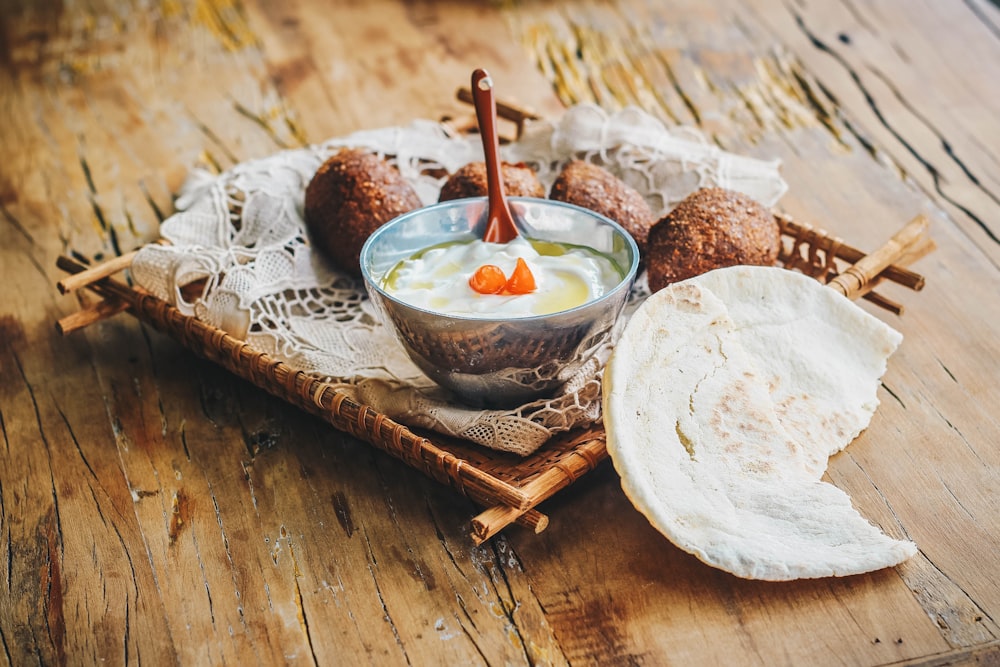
(508,487)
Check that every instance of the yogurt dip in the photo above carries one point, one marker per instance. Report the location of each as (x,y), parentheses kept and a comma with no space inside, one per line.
(566,276)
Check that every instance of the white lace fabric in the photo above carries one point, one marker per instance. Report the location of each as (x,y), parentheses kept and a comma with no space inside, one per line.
(242,231)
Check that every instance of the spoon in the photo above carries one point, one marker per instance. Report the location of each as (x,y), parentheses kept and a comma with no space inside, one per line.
(500,223)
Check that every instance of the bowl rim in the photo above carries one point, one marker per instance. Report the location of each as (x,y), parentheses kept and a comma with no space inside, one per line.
(626,282)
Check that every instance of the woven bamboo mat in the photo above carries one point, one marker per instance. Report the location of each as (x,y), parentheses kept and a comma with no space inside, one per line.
(509,488)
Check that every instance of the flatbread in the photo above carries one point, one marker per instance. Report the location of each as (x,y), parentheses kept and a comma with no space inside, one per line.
(724,399)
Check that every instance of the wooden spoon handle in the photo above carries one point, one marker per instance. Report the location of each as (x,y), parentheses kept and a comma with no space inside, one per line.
(500,225)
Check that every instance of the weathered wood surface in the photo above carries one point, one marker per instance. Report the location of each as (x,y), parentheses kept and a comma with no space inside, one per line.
(154,509)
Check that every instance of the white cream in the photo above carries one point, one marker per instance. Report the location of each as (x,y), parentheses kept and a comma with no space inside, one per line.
(437,278)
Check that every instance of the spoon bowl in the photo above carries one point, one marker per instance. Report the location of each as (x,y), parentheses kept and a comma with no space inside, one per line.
(500,227)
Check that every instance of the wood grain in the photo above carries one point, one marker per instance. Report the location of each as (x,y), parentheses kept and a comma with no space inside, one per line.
(155,509)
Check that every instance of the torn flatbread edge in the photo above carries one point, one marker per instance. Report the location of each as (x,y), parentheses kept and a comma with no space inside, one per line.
(836,541)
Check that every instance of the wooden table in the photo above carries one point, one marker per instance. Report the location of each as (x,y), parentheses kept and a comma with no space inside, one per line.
(154,509)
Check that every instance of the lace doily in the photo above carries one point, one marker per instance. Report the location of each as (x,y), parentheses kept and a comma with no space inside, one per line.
(242,233)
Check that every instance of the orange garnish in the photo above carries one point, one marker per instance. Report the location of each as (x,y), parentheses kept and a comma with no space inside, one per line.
(488,279)
(521,280)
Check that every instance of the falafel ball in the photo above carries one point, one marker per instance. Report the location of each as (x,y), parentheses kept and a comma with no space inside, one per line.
(711,228)
(349,197)
(519,180)
(595,188)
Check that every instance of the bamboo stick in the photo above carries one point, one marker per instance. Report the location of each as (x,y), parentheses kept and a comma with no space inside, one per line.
(883,302)
(911,254)
(534,520)
(853,280)
(893,272)
(589,450)
(101,310)
(104,285)
(493,520)
(506,111)
(585,457)
(95,273)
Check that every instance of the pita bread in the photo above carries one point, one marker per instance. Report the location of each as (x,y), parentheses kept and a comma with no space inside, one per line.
(723,400)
